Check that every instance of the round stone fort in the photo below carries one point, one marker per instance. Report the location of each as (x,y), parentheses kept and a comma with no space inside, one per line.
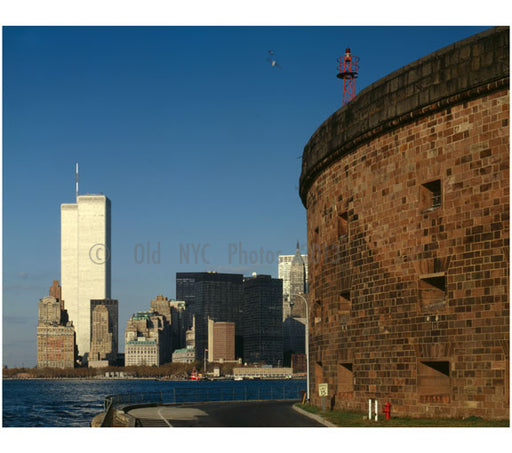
(407,196)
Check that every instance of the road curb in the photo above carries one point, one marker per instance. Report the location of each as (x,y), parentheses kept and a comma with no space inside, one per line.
(319,419)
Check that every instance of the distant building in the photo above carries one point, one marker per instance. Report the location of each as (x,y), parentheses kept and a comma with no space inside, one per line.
(261,320)
(104,332)
(221,341)
(210,295)
(56,291)
(299,363)
(101,338)
(56,346)
(188,353)
(85,260)
(144,340)
(293,270)
(142,351)
(298,285)
(161,305)
(294,338)
(120,359)
(178,324)
(49,311)
(249,372)
(174,313)
(185,355)
(190,335)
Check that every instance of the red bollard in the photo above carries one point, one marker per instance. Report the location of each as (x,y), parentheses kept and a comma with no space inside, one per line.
(387,410)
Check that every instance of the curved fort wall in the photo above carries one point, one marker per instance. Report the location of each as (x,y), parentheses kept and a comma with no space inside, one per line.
(407,197)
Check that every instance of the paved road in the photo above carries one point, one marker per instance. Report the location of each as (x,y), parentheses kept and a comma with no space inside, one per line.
(229,415)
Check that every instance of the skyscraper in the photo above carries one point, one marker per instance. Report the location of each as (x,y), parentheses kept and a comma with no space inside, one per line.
(85,260)
(174,312)
(210,295)
(104,332)
(297,284)
(55,334)
(261,320)
(293,270)
(221,341)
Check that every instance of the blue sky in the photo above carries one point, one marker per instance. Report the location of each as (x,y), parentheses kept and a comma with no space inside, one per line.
(189,131)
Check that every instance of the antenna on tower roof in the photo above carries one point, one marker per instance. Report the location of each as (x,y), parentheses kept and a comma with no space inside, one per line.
(348,65)
(77,181)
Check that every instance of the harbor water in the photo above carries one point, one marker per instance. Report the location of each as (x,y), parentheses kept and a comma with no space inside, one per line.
(74,402)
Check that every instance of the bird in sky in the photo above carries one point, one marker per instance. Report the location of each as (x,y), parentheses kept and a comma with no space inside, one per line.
(273,62)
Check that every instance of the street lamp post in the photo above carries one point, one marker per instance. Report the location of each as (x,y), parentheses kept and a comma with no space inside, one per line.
(307,342)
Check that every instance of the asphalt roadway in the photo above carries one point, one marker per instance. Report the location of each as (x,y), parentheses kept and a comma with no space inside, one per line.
(263,414)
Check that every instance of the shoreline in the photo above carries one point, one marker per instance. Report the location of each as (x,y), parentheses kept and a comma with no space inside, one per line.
(99,378)
(125,378)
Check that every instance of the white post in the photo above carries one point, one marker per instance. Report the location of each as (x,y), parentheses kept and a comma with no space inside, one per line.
(376,410)
(370,409)
(307,352)
(307,345)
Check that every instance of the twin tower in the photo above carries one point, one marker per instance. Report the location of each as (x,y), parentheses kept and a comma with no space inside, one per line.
(85,261)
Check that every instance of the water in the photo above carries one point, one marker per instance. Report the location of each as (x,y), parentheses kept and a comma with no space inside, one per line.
(74,403)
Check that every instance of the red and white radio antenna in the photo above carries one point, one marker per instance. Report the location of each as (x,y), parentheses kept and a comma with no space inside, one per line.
(348,65)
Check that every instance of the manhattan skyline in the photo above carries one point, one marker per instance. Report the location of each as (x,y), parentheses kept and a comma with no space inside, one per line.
(193,135)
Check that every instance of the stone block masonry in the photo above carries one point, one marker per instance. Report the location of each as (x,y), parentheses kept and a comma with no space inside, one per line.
(407,197)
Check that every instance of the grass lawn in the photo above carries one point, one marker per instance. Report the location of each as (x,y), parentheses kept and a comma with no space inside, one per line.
(354,419)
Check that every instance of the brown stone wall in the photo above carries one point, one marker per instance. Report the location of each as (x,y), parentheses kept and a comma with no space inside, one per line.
(408,250)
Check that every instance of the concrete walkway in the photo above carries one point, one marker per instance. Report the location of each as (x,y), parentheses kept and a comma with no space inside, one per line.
(164,415)
(230,414)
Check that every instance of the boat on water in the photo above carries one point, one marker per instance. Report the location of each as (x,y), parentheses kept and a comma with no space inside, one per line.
(194,376)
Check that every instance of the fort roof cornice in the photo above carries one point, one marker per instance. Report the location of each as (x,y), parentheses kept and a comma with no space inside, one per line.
(462,71)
